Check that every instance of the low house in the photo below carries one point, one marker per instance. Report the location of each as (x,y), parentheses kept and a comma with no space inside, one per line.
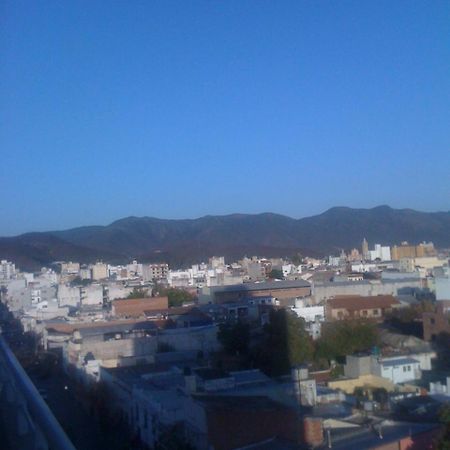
(396,369)
(399,370)
(358,307)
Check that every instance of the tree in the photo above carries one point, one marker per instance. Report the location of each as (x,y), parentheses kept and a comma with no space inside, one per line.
(444,417)
(442,346)
(346,337)
(276,274)
(381,396)
(177,296)
(138,293)
(234,337)
(78,281)
(297,259)
(286,343)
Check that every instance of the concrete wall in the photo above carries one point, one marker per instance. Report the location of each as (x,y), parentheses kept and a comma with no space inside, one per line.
(442,285)
(365,289)
(68,296)
(356,366)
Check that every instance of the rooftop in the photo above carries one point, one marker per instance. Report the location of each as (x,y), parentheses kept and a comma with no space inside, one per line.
(357,302)
(398,362)
(268,285)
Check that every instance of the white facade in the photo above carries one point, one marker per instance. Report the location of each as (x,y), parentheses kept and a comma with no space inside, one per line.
(399,369)
(117,290)
(92,295)
(380,252)
(310,313)
(134,269)
(99,271)
(442,285)
(7,270)
(68,296)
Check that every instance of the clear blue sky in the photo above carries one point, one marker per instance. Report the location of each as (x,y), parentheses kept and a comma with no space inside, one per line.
(178,109)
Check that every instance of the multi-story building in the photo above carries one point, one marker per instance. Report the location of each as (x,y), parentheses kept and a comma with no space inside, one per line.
(437,321)
(152,272)
(70,268)
(279,290)
(383,253)
(412,251)
(7,270)
(68,295)
(365,249)
(99,271)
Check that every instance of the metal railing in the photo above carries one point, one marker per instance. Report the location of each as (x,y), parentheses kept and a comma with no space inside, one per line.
(33,423)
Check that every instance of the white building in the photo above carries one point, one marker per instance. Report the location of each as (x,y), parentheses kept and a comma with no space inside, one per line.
(134,269)
(92,295)
(399,370)
(152,272)
(117,290)
(380,252)
(442,285)
(68,296)
(7,270)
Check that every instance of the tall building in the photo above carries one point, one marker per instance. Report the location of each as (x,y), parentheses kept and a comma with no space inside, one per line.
(365,249)
(155,271)
(7,270)
(99,271)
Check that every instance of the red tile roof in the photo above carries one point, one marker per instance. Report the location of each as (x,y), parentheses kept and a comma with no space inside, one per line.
(355,303)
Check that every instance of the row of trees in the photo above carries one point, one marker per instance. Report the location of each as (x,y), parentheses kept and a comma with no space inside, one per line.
(176,296)
(285,342)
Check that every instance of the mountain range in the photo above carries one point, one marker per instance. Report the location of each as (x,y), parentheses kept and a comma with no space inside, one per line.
(182,242)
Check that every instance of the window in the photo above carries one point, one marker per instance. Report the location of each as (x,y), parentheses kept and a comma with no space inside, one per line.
(404,368)
(364,313)
(409,368)
(432,321)
(376,312)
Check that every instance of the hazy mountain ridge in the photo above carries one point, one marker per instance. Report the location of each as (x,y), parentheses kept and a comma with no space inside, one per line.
(188,240)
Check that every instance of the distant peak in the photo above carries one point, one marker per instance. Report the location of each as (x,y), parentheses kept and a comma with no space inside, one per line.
(382,208)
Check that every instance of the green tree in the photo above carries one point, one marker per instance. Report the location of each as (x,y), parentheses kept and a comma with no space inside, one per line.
(276,274)
(442,345)
(297,259)
(177,296)
(286,343)
(138,293)
(234,337)
(444,417)
(346,337)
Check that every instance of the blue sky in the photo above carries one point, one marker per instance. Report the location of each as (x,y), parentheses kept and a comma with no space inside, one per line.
(178,109)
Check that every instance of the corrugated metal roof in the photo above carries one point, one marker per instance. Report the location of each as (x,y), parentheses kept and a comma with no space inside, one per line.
(399,362)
